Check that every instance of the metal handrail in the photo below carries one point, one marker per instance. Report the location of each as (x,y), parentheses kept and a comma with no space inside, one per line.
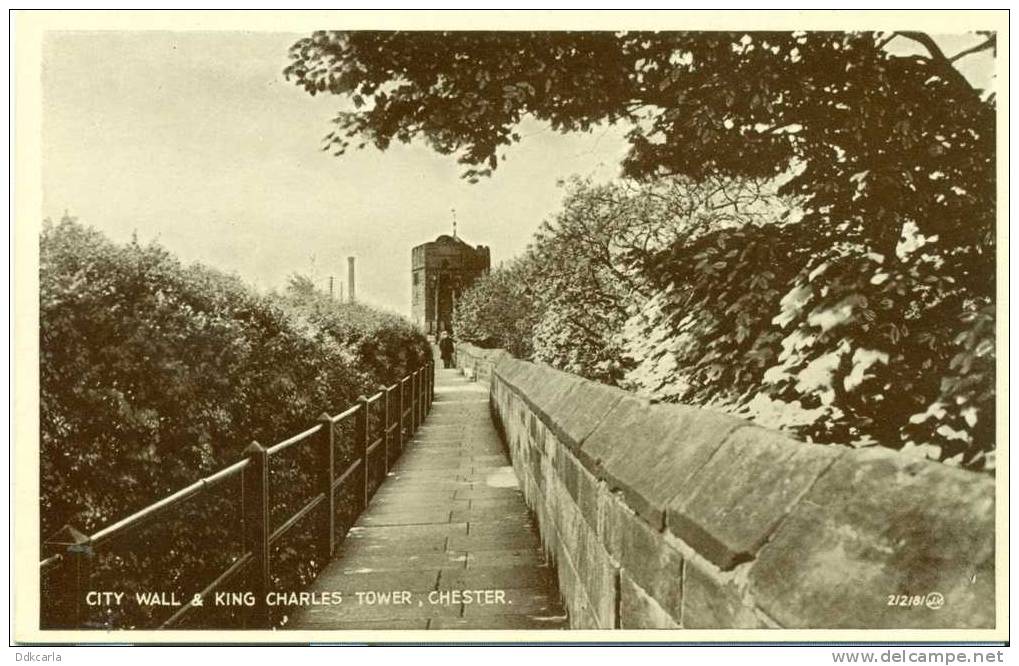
(224,577)
(374,445)
(296,439)
(255,474)
(354,466)
(50,561)
(296,518)
(344,415)
(122,526)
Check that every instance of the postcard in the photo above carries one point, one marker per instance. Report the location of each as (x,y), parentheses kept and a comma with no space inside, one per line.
(649,326)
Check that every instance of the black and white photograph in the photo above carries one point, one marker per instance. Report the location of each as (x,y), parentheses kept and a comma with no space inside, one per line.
(407,327)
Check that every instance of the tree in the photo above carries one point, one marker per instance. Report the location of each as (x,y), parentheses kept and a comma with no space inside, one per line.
(153,374)
(880,139)
(565,302)
(725,297)
(300,287)
(499,310)
(890,158)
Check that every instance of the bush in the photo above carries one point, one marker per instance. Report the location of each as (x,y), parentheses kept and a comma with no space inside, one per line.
(723,294)
(384,345)
(499,311)
(154,374)
(831,341)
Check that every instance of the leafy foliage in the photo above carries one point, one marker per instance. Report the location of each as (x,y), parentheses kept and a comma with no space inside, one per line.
(566,301)
(499,311)
(883,138)
(869,307)
(153,374)
(730,299)
(839,345)
(384,345)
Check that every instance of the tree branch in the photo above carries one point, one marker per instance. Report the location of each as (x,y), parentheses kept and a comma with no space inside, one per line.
(927,42)
(990,43)
(938,58)
(884,42)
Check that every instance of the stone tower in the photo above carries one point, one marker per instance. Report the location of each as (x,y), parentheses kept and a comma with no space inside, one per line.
(440,271)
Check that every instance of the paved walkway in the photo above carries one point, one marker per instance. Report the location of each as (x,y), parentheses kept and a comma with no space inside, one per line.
(447,541)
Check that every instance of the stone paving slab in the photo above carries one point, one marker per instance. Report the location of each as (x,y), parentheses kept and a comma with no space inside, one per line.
(488,558)
(359,580)
(447,541)
(501,577)
(396,517)
(401,532)
(487,514)
(422,561)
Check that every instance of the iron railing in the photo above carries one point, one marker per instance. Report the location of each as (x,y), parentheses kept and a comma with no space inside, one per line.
(400,408)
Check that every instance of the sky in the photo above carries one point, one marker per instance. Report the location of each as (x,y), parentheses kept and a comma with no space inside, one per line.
(196,140)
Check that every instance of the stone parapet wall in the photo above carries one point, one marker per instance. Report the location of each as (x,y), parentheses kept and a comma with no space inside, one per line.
(666,516)
(477,363)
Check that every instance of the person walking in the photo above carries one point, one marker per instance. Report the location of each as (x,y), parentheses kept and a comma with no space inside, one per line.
(446,350)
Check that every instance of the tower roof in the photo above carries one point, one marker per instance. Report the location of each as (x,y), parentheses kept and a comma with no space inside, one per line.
(446,239)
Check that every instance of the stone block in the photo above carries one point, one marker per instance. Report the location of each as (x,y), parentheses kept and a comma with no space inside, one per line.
(569,521)
(597,575)
(497,356)
(638,610)
(652,562)
(548,384)
(741,494)
(550,528)
(536,462)
(652,452)
(590,586)
(510,369)
(541,386)
(574,596)
(877,525)
(555,405)
(610,436)
(505,363)
(612,517)
(713,600)
(568,469)
(569,581)
(587,498)
(532,428)
(575,417)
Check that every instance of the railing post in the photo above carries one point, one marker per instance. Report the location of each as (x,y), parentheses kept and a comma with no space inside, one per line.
(256,528)
(327,464)
(402,407)
(422,389)
(386,418)
(431,383)
(361,437)
(414,379)
(420,403)
(74,572)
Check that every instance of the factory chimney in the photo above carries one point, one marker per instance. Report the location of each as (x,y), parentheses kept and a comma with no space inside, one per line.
(350,279)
